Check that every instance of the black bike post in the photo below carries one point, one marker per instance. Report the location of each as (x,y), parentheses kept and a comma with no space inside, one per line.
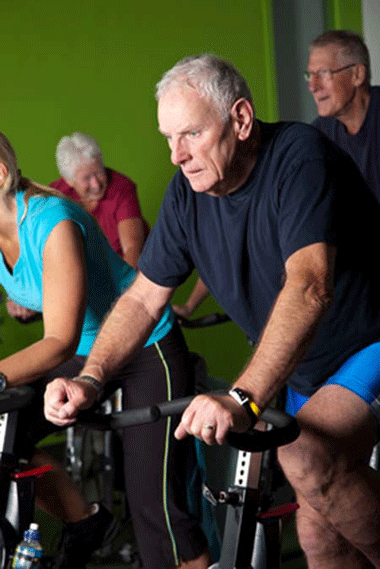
(240,524)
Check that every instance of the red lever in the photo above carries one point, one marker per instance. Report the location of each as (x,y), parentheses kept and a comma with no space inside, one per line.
(279,511)
(34,472)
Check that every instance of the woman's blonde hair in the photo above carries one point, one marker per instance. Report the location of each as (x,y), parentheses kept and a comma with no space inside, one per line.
(15,181)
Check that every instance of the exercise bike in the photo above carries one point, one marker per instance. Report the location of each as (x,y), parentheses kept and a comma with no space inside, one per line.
(95,462)
(243,547)
(17,484)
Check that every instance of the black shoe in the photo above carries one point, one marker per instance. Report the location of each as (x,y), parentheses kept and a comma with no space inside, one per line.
(80,539)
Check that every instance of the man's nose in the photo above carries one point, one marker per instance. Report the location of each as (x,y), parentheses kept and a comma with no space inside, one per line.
(179,152)
(314,83)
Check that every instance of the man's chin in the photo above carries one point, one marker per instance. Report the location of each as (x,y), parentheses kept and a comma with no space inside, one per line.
(323,110)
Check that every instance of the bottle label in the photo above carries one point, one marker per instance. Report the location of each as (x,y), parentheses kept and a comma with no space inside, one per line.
(27,558)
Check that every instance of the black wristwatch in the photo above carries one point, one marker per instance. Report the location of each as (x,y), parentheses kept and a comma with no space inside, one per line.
(244,400)
(92,381)
(3,382)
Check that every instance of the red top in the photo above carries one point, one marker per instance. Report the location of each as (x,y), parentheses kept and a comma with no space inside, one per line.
(119,202)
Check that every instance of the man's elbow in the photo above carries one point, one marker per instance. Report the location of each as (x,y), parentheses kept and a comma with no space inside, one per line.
(320,296)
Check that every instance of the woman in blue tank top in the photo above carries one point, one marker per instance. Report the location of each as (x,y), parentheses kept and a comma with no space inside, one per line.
(55,260)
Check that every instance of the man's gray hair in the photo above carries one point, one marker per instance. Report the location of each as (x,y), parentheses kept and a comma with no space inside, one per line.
(212,77)
(352,47)
(75,150)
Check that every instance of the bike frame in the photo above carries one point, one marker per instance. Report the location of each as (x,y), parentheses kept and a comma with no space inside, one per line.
(17,485)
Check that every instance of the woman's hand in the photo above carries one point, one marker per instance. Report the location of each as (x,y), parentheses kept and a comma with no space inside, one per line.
(19,312)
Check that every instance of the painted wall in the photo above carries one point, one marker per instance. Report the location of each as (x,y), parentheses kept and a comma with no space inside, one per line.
(296,23)
(371,33)
(92,66)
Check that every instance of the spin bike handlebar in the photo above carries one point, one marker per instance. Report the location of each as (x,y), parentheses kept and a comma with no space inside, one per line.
(15,398)
(204,321)
(285,428)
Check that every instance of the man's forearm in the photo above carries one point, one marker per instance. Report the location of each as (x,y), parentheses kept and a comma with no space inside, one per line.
(124,332)
(286,337)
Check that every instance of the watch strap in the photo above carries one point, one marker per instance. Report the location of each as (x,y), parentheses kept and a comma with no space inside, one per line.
(243,399)
(91,380)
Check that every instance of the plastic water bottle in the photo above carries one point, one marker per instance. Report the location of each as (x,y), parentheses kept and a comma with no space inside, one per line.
(29,551)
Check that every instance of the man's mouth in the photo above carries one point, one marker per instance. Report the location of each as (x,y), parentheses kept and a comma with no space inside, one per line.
(192,172)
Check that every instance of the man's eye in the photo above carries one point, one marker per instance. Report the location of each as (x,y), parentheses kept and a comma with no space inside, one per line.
(194,133)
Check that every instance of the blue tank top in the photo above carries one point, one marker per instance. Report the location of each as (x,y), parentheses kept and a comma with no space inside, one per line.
(108,275)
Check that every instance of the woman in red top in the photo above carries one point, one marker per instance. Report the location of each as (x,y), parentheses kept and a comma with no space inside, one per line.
(110,196)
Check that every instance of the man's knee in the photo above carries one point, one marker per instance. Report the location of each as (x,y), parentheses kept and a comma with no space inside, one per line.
(318,539)
(301,460)
(312,469)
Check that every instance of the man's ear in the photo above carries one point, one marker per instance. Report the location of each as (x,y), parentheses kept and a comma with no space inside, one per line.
(242,116)
(359,74)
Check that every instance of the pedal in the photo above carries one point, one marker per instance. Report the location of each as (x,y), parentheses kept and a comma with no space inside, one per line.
(209,495)
(231,497)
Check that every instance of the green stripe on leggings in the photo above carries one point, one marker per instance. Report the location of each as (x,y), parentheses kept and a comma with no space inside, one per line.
(165,469)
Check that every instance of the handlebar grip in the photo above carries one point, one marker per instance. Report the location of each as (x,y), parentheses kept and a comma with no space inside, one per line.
(121,419)
(15,398)
(175,407)
(285,429)
(204,321)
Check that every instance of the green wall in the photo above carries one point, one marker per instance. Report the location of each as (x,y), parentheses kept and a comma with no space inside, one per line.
(343,15)
(92,66)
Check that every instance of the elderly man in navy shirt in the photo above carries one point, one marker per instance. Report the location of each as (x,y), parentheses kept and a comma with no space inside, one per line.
(281,228)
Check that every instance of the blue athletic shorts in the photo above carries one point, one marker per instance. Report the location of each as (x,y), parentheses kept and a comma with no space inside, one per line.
(360,374)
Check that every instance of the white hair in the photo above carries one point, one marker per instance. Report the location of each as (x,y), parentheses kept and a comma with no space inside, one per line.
(214,78)
(74,151)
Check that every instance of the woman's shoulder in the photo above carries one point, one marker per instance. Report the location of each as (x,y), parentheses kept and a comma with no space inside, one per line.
(39,210)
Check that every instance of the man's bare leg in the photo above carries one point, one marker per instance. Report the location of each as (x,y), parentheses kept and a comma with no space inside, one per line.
(332,551)
(338,493)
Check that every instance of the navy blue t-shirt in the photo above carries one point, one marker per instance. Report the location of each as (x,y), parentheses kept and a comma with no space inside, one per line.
(303,189)
(364,146)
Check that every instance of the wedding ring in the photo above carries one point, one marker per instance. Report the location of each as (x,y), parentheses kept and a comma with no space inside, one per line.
(206,426)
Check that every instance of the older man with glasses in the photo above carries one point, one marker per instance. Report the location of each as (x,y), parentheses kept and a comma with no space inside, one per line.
(339,77)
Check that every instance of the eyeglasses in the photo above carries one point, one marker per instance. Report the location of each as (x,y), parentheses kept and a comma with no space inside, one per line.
(325,74)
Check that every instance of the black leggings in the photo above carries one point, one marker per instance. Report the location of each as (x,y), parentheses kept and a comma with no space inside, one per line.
(156,465)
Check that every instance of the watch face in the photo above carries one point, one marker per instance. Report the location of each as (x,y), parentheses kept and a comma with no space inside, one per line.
(3,382)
